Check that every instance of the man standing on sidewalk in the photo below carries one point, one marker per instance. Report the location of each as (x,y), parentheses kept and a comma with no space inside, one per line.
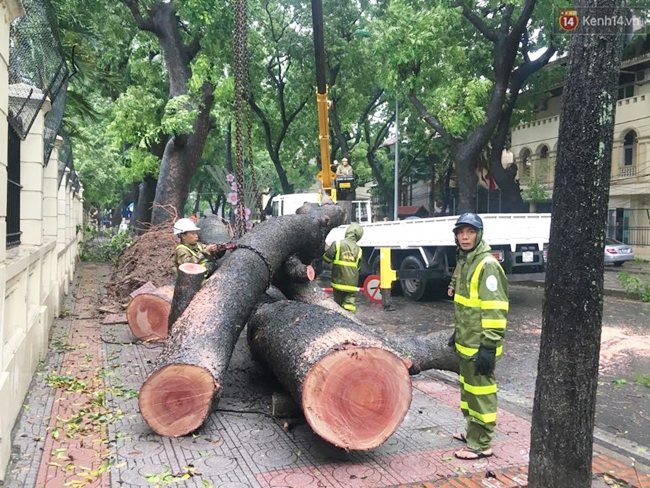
(481,310)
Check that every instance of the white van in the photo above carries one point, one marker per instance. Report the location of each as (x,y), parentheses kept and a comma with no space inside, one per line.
(360,210)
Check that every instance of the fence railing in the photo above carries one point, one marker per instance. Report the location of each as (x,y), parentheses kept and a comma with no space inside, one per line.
(634,236)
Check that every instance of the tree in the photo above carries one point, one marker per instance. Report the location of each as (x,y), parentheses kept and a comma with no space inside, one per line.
(565,393)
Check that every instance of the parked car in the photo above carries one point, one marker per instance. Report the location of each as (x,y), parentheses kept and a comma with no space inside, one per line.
(616,252)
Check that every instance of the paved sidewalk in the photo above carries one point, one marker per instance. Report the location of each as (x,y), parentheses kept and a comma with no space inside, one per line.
(81,427)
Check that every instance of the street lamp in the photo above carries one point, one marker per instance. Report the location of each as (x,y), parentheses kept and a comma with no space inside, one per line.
(396,189)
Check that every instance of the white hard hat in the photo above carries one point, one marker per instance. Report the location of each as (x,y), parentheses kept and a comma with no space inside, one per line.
(184,225)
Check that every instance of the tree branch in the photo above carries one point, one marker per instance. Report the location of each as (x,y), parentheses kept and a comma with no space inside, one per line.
(143,24)
(483,28)
(431,120)
(521,22)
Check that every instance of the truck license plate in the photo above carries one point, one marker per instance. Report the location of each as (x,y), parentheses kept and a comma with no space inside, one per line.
(527,257)
(344,185)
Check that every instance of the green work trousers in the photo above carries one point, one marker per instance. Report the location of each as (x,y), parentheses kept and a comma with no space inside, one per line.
(346,299)
(478,402)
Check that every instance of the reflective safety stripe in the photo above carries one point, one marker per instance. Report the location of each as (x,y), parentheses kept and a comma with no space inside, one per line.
(326,258)
(350,307)
(192,252)
(495,305)
(470,351)
(494,323)
(337,257)
(473,301)
(478,390)
(338,286)
(487,418)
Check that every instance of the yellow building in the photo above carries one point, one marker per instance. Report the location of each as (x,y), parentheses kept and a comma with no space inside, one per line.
(534,144)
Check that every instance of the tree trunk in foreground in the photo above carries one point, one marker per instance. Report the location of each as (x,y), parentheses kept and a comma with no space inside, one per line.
(187,377)
(567,375)
(148,314)
(424,352)
(188,283)
(353,391)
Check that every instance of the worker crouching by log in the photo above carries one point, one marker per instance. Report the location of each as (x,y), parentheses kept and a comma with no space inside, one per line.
(345,256)
(190,250)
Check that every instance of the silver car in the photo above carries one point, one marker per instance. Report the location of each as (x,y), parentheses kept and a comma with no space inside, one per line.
(617,252)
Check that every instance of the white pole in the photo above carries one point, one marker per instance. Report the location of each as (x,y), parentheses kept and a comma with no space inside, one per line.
(396,190)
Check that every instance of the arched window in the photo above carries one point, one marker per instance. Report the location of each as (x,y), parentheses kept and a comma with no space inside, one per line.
(543,154)
(629,148)
(525,162)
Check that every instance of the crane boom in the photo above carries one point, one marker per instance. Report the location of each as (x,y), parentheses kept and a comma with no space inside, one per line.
(325,175)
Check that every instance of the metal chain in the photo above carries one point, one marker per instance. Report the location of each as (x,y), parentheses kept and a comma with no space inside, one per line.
(249,126)
(239,53)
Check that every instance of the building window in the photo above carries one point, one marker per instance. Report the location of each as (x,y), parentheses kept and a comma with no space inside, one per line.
(525,162)
(13,189)
(543,154)
(625,91)
(629,148)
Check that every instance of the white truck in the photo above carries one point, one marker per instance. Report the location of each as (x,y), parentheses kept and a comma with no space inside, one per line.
(360,210)
(423,251)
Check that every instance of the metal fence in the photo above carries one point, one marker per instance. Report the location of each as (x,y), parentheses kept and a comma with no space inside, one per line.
(634,236)
(37,67)
(13,189)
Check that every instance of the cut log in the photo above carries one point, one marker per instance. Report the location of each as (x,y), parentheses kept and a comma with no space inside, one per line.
(186,380)
(188,282)
(353,391)
(425,352)
(293,270)
(148,314)
(212,230)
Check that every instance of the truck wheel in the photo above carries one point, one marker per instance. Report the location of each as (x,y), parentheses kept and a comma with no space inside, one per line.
(414,289)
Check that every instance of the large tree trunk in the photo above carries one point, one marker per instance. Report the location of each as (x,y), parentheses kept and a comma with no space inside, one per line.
(353,391)
(567,376)
(142,211)
(187,378)
(424,352)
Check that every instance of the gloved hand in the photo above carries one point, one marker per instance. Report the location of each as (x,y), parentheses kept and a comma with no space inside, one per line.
(485,359)
(452,340)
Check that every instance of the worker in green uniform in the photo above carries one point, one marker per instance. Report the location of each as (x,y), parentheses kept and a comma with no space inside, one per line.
(481,311)
(345,256)
(190,250)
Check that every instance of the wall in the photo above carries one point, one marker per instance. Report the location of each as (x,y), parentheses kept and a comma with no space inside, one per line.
(35,275)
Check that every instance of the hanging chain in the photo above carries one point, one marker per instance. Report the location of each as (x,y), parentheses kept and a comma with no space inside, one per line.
(249,128)
(239,53)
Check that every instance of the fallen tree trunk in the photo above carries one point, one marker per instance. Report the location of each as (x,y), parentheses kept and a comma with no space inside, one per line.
(188,283)
(425,352)
(148,314)
(187,378)
(353,391)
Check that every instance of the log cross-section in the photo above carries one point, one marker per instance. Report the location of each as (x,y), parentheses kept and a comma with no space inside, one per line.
(204,336)
(148,314)
(354,391)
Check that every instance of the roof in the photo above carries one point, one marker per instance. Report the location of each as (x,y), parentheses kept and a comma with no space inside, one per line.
(407,210)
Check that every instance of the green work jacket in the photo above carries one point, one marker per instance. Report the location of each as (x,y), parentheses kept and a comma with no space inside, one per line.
(345,257)
(480,301)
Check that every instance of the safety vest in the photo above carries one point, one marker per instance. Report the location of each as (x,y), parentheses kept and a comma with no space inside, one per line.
(194,253)
(481,309)
(345,270)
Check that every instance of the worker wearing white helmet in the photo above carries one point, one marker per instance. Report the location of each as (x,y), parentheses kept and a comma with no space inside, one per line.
(190,250)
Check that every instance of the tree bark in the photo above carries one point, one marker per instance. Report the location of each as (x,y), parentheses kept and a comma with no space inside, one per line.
(148,314)
(213,230)
(188,283)
(142,212)
(294,271)
(567,375)
(187,378)
(426,352)
(354,392)
(182,152)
